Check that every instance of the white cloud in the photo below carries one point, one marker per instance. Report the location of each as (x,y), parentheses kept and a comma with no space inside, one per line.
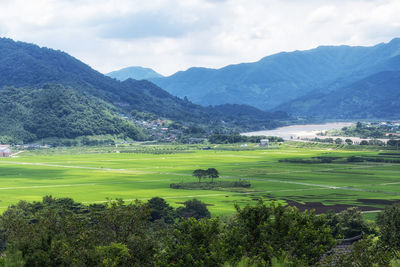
(171,35)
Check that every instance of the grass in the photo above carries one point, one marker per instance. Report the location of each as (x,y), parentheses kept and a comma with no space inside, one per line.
(92,175)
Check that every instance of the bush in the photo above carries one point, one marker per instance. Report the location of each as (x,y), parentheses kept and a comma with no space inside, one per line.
(389,226)
(208,186)
(193,209)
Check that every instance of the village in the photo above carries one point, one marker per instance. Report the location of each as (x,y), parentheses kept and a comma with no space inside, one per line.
(166,131)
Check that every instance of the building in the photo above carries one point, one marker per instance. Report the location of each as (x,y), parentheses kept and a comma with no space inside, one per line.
(5,151)
(264,142)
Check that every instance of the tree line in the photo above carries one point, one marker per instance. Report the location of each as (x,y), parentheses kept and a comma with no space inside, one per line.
(61,232)
(219,138)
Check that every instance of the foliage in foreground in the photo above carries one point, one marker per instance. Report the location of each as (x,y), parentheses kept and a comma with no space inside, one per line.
(61,232)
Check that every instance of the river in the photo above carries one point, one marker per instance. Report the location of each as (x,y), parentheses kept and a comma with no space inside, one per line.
(300,131)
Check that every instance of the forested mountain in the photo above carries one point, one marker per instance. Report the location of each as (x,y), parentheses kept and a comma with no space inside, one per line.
(283,77)
(27,65)
(377,96)
(137,73)
(57,111)
(88,100)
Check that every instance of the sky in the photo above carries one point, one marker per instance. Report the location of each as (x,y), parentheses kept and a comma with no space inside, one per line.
(173,35)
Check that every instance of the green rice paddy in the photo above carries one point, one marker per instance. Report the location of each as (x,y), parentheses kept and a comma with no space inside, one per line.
(95,177)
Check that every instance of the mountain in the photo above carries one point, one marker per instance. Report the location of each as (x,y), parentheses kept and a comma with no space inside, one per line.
(136,73)
(28,65)
(35,73)
(57,111)
(282,77)
(374,97)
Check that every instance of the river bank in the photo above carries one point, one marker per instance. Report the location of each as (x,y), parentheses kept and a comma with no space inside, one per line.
(306,131)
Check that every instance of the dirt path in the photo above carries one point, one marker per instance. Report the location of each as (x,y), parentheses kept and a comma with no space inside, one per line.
(14,155)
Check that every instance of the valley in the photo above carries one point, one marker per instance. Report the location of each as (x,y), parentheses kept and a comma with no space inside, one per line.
(199,133)
(287,173)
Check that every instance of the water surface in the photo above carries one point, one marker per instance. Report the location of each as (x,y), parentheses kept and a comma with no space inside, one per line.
(300,131)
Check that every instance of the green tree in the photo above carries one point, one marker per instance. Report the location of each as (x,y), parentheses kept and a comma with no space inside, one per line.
(364,143)
(338,141)
(212,173)
(193,243)
(389,227)
(199,174)
(348,223)
(268,231)
(349,141)
(161,210)
(60,232)
(194,208)
(13,258)
(113,255)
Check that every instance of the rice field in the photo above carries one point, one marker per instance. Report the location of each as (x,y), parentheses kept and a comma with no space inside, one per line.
(273,172)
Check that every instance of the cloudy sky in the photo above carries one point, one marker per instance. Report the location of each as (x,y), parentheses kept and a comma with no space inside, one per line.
(172,35)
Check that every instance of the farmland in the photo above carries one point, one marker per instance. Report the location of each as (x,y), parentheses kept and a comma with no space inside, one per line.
(308,177)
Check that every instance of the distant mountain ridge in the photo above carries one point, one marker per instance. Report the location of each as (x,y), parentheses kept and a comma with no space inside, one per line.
(134,72)
(283,77)
(374,97)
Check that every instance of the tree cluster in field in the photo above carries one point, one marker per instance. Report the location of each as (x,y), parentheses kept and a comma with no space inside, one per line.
(237,138)
(61,232)
(212,185)
(313,160)
(347,141)
(373,159)
(210,173)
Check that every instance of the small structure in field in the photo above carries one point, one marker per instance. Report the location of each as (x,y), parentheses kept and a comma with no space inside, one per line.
(5,151)
(264,142)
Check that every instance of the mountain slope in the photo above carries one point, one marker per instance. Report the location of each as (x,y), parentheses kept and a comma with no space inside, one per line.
(282,77)
(23,64)
(137,73)
(55,111)
(377,96)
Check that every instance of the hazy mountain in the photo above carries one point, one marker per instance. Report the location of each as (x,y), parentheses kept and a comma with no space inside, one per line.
(282,77)
(376,96)
(30,69)
(137,73)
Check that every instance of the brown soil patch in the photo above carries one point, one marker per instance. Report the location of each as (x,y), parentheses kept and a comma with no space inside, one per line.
(321,208)
(344,172)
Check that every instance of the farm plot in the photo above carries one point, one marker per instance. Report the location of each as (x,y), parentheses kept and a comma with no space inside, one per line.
(306,178)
